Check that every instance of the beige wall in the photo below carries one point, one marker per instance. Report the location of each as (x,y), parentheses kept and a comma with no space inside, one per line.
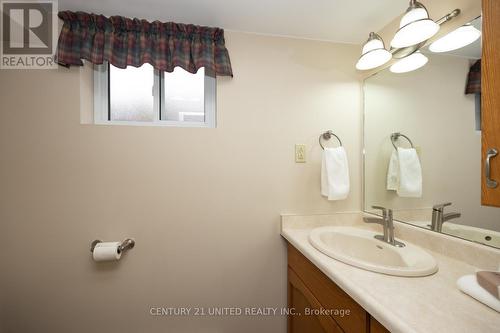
(428,105)
(202,204)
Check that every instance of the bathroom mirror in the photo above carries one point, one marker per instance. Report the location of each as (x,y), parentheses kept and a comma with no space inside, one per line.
(434,112)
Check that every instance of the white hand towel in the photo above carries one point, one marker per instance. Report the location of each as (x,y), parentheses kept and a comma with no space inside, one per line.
(410,173)
(335,174)
(393,172)
(468,284)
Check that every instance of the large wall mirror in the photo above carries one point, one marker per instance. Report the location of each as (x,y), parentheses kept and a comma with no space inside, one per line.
(422,136)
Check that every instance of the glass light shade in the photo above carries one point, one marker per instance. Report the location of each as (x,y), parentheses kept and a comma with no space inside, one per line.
(415,27)
(373,59)
(413,15)
(409,63)
(372,45)
(373,54)
(456,39)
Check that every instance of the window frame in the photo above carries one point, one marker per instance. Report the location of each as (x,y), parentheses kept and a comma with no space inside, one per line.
(102,107)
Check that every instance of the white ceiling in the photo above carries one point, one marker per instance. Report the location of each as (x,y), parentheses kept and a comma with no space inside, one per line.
(347,21)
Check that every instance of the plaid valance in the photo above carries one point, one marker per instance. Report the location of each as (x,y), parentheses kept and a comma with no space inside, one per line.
(474,79)
(132,42)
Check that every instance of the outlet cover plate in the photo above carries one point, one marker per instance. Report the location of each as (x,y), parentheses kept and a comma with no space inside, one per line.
(300,153)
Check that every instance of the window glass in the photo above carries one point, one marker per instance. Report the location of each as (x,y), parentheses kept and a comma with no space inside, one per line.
(131,93)
(184,96)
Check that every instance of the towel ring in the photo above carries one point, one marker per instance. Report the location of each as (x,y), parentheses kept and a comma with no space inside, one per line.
(327,136)
(395,136)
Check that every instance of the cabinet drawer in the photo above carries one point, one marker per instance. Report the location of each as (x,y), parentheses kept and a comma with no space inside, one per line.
(329,295)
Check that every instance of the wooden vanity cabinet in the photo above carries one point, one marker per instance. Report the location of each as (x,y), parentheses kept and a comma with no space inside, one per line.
(318,302)
(490,101)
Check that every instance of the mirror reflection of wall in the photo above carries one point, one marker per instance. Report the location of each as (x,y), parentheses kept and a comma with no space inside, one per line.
(430,105)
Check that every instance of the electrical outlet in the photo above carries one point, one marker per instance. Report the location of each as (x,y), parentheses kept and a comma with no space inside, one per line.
(300,153)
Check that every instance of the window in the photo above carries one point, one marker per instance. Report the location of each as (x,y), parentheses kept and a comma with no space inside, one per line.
(145,96)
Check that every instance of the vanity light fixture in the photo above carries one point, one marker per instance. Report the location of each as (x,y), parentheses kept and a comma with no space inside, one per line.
(415,26)
(456,39)
(410,63)
(373,54)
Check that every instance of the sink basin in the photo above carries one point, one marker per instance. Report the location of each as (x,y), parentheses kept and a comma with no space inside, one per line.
(358,247)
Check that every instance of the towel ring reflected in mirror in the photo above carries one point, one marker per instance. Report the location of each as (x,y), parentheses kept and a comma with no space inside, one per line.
(327,136)
(395,136)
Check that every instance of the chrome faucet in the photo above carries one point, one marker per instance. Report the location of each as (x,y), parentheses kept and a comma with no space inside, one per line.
(388,224)
(438,216)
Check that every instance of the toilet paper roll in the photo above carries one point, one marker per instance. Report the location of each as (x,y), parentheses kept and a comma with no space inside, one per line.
(107,251)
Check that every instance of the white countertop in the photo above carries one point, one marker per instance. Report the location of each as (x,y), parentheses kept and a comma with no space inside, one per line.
(405,304)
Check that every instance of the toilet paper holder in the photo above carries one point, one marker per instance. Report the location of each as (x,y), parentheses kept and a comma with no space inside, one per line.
(127,244)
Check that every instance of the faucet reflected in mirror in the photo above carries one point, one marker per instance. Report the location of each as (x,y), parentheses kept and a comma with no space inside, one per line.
(439,217)
(439,108)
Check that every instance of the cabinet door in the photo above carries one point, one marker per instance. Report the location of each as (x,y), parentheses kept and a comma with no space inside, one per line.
(490,103)
(301,323)
(325,294)
(301,300)
(376,327)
